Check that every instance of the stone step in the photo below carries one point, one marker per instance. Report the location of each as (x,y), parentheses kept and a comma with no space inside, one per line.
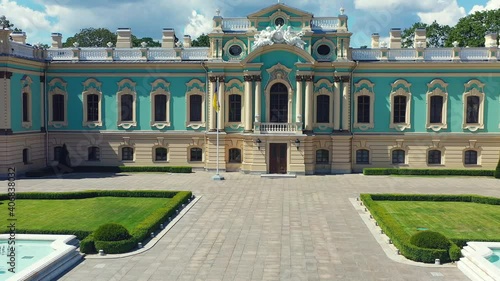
(278,176)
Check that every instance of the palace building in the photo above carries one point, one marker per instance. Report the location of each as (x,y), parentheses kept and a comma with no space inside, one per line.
(294,97)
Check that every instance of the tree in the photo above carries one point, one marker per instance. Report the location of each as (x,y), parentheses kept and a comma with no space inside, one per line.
(201,41)
(437,35)
(5,23)
(470,30)
(92,37)
(136,42)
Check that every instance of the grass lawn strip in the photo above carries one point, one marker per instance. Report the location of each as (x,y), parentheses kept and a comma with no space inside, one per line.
(453,219)
(83,214)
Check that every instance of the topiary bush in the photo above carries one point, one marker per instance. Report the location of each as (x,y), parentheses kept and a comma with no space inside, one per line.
(497,171)
(111,232)
(430,240)
(455,252)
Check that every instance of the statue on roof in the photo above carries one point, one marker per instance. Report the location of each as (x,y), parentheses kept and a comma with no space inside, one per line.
(269,37)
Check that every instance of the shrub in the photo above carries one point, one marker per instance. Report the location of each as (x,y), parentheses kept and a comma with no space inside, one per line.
(111,232)
(87,245)
(430,240)
(455,252)
(497,171)
(116,247)
(427,172)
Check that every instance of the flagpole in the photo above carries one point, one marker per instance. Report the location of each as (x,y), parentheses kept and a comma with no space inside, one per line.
(217,176)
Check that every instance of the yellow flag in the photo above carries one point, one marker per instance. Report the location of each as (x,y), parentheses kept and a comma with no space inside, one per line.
(215,101)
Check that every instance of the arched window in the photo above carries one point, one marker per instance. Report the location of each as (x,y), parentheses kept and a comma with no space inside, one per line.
(322,156)
(161,154)
(278,103)
(362,156)
(26,107)
(234,155)
(470,157)
(399,115)
(398,156)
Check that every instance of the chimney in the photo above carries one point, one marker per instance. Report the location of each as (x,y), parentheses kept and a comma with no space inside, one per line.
(375,41)
(56,40)
(395,38)
(490,40)
(168,40)
(420,39)
(124,39)
(187,41)
(19,37)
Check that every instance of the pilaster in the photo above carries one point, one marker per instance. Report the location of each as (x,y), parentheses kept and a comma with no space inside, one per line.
(248,103)
(346,110)
(336,103)
(258,97)
(5,110)
(309,103)
(298,97)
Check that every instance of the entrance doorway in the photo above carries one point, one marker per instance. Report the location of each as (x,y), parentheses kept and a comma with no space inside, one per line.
(278,106)
(277,158)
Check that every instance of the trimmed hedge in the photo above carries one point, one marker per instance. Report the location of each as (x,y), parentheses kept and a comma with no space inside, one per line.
(88,243)
(401,239)
(111,232)
(430,240)
(52,171)
(427,172)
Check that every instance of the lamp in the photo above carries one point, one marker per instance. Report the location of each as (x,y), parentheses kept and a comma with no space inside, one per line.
(258,142)
(297,143)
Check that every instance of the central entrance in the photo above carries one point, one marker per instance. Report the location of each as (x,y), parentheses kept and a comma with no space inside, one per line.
(278,104)
(277,158)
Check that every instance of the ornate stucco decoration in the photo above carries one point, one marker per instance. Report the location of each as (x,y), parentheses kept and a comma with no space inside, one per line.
(277,35)
(279,72)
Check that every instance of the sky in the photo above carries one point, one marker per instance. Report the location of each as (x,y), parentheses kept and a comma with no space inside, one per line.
(147,18)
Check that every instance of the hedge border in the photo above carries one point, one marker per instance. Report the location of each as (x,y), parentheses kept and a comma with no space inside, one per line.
(141,232)
(401,239)
(51,171)
(427,172)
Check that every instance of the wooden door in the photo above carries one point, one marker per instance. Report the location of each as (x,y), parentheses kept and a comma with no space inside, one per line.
(277,158)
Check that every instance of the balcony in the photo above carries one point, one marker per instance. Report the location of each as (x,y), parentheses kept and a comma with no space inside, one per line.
(278,128)
(427,54)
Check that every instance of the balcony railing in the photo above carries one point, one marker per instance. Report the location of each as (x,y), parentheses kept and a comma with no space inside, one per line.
(325,23)
(235,24)
(426,54)
(128,54)
(277,128)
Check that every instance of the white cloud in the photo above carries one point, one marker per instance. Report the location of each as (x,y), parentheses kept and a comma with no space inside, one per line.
(491,5)
(198,24)
(447,16)
(30,21)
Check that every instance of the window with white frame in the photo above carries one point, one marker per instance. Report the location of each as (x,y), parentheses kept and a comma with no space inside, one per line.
(470,157)
(473,100)
(58,103)
(322,109)
(400,99)
(434,157)
(437,104)
(324,101)
(127,104)
(161,154)
(398,156)
(160,104)
(234,155)
(195,104)
(364,99)
(92,97)
(196,154)
(362,156)
(26,102)
(127,153)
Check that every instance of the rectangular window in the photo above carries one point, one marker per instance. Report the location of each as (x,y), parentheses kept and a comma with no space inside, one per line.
(161,108)
(196,155)
(473,110)
(127,154)
(322,156)
(436,108)
(127,107)
(471,157)
(92,108)
(26,115)
(94,153)
(363,109)
(434,157)
(399,109)
(58,108)
(323,109)
(398,157)
(195,108)
(25,156)
(362,156)
(161,154)
(234,155)
(234,108)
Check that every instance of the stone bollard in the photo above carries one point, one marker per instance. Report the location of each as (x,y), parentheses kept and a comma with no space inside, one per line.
(101,253)
(152,235)
(161,225)
(437,262)
(139,245)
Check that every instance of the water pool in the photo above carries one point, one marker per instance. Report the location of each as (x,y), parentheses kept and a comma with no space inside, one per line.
(38,257)
(27,253)
(495,258)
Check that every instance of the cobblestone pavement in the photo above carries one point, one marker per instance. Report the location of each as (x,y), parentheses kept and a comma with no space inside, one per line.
(252,228)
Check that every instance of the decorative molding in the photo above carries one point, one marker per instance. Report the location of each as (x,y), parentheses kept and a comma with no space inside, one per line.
(401,88)
(324,87)
(26,89)
(195,87)
(127,87)
(474,88)
(437,87)
(369,92)
(57,86)
(160,87)
(238,42)
(92,87)
(327,57)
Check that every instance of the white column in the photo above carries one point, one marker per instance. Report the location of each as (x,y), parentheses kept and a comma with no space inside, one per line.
(336,104)
(248,103)
(211,110)
(346,116)
(309,103)
(221,92)
(5,109)
(258,96)
(298,102)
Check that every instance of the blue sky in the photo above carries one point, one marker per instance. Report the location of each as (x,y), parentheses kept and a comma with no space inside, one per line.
(148,17)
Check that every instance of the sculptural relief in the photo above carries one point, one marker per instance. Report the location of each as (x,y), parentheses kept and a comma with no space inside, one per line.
(269,37)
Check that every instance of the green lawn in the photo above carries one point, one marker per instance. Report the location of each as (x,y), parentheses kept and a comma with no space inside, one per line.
(453,219)
(82,214)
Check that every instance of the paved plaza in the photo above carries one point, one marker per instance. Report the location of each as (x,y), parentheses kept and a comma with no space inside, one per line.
(252,228)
